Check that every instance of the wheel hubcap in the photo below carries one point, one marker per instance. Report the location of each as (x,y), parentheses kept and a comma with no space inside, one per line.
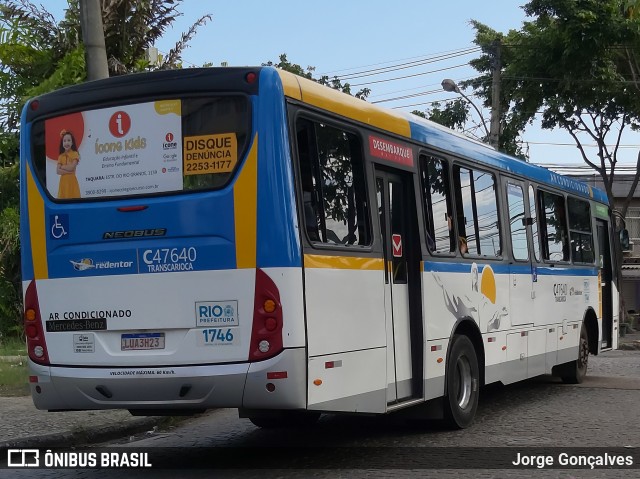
(464,382)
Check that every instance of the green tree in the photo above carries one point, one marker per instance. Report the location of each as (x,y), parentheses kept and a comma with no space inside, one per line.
(453,114)
(39,54)
(576,63)
(10,293)
(335,83)
(132,26)
(35,55)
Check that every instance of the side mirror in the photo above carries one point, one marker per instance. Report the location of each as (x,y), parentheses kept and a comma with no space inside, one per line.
(624,240)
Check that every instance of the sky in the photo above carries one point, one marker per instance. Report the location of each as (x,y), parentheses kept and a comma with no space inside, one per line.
(418,42)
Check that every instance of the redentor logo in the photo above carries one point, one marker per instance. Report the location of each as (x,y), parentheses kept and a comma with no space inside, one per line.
(119,124)
(169,137)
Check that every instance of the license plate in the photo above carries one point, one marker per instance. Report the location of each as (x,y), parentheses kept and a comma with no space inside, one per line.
(140,341)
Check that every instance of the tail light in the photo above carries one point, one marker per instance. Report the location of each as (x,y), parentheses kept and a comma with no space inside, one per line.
(266,334)
(36,345)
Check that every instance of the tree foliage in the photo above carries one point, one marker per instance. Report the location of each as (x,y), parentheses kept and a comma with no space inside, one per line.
(576,63)
(32,45)
(39,54)
(453,114)
(335,83)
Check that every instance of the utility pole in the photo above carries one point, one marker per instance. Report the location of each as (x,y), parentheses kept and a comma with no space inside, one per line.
(496,66)
(93,39)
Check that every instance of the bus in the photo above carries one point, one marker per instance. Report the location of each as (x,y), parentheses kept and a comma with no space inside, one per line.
(247,238)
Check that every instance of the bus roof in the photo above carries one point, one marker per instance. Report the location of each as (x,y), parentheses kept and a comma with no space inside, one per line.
(131,87)
(427,132)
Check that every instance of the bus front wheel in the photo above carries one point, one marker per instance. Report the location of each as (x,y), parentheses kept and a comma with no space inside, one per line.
(574,372)
(462,382)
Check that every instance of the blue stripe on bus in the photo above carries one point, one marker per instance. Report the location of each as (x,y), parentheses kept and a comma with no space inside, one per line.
(278,238)
(439,138)
(566,271)
(502,268)
(25,234)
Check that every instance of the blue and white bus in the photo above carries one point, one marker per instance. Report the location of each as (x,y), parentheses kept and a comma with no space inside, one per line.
(243,237)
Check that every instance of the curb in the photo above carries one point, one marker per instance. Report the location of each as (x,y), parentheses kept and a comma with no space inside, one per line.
(88,436)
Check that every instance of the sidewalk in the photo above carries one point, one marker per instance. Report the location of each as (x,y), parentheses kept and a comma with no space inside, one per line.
(22,425)
(630,341)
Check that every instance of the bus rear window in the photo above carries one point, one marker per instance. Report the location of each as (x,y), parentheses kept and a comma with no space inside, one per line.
(153,147)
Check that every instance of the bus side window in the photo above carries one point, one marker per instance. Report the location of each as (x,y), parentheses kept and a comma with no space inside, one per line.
(436,197)
(517,223)
(477,212)
(307,179)
(333,185)
(580,232)
(553,223)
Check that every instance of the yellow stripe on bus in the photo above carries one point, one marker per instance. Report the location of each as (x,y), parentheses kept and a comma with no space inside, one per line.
(245,200)
(342,262)
(348,106)
(37,228)
(290,85)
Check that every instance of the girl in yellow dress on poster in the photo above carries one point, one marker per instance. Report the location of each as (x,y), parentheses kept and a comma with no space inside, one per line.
(66,168)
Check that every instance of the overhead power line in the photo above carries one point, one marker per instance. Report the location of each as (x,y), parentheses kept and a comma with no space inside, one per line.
(573,80)
(590,145)
(429,102)
(422,57)
(413,95)
(626,169)
(410,76)
(431,85)
(404,66)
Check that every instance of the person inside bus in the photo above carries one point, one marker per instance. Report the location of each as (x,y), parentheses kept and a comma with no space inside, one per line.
(462,241)
(66,167)
(462,245)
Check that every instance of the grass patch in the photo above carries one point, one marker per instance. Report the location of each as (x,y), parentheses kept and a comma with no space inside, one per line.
(14,374)
(10,346)
(14,378)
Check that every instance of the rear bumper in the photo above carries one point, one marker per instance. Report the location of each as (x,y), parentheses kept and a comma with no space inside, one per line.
(179,387)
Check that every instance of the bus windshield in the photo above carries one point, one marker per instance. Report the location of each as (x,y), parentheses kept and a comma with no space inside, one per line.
(151,147)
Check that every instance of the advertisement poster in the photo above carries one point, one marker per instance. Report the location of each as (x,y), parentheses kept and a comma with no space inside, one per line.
(120,151)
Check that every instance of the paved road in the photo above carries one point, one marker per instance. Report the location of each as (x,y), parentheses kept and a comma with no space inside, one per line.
(601,412)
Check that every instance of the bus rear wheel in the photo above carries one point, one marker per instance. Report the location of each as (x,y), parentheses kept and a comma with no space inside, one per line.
(462,383)
(574,372)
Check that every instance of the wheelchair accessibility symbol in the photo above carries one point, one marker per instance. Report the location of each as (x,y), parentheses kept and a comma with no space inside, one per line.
(59,226)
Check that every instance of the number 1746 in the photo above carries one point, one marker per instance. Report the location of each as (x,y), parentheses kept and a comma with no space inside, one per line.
(213,335)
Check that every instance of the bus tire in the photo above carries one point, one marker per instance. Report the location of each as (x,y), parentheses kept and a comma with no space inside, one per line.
(462,382)
(574,372)
(286,419)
